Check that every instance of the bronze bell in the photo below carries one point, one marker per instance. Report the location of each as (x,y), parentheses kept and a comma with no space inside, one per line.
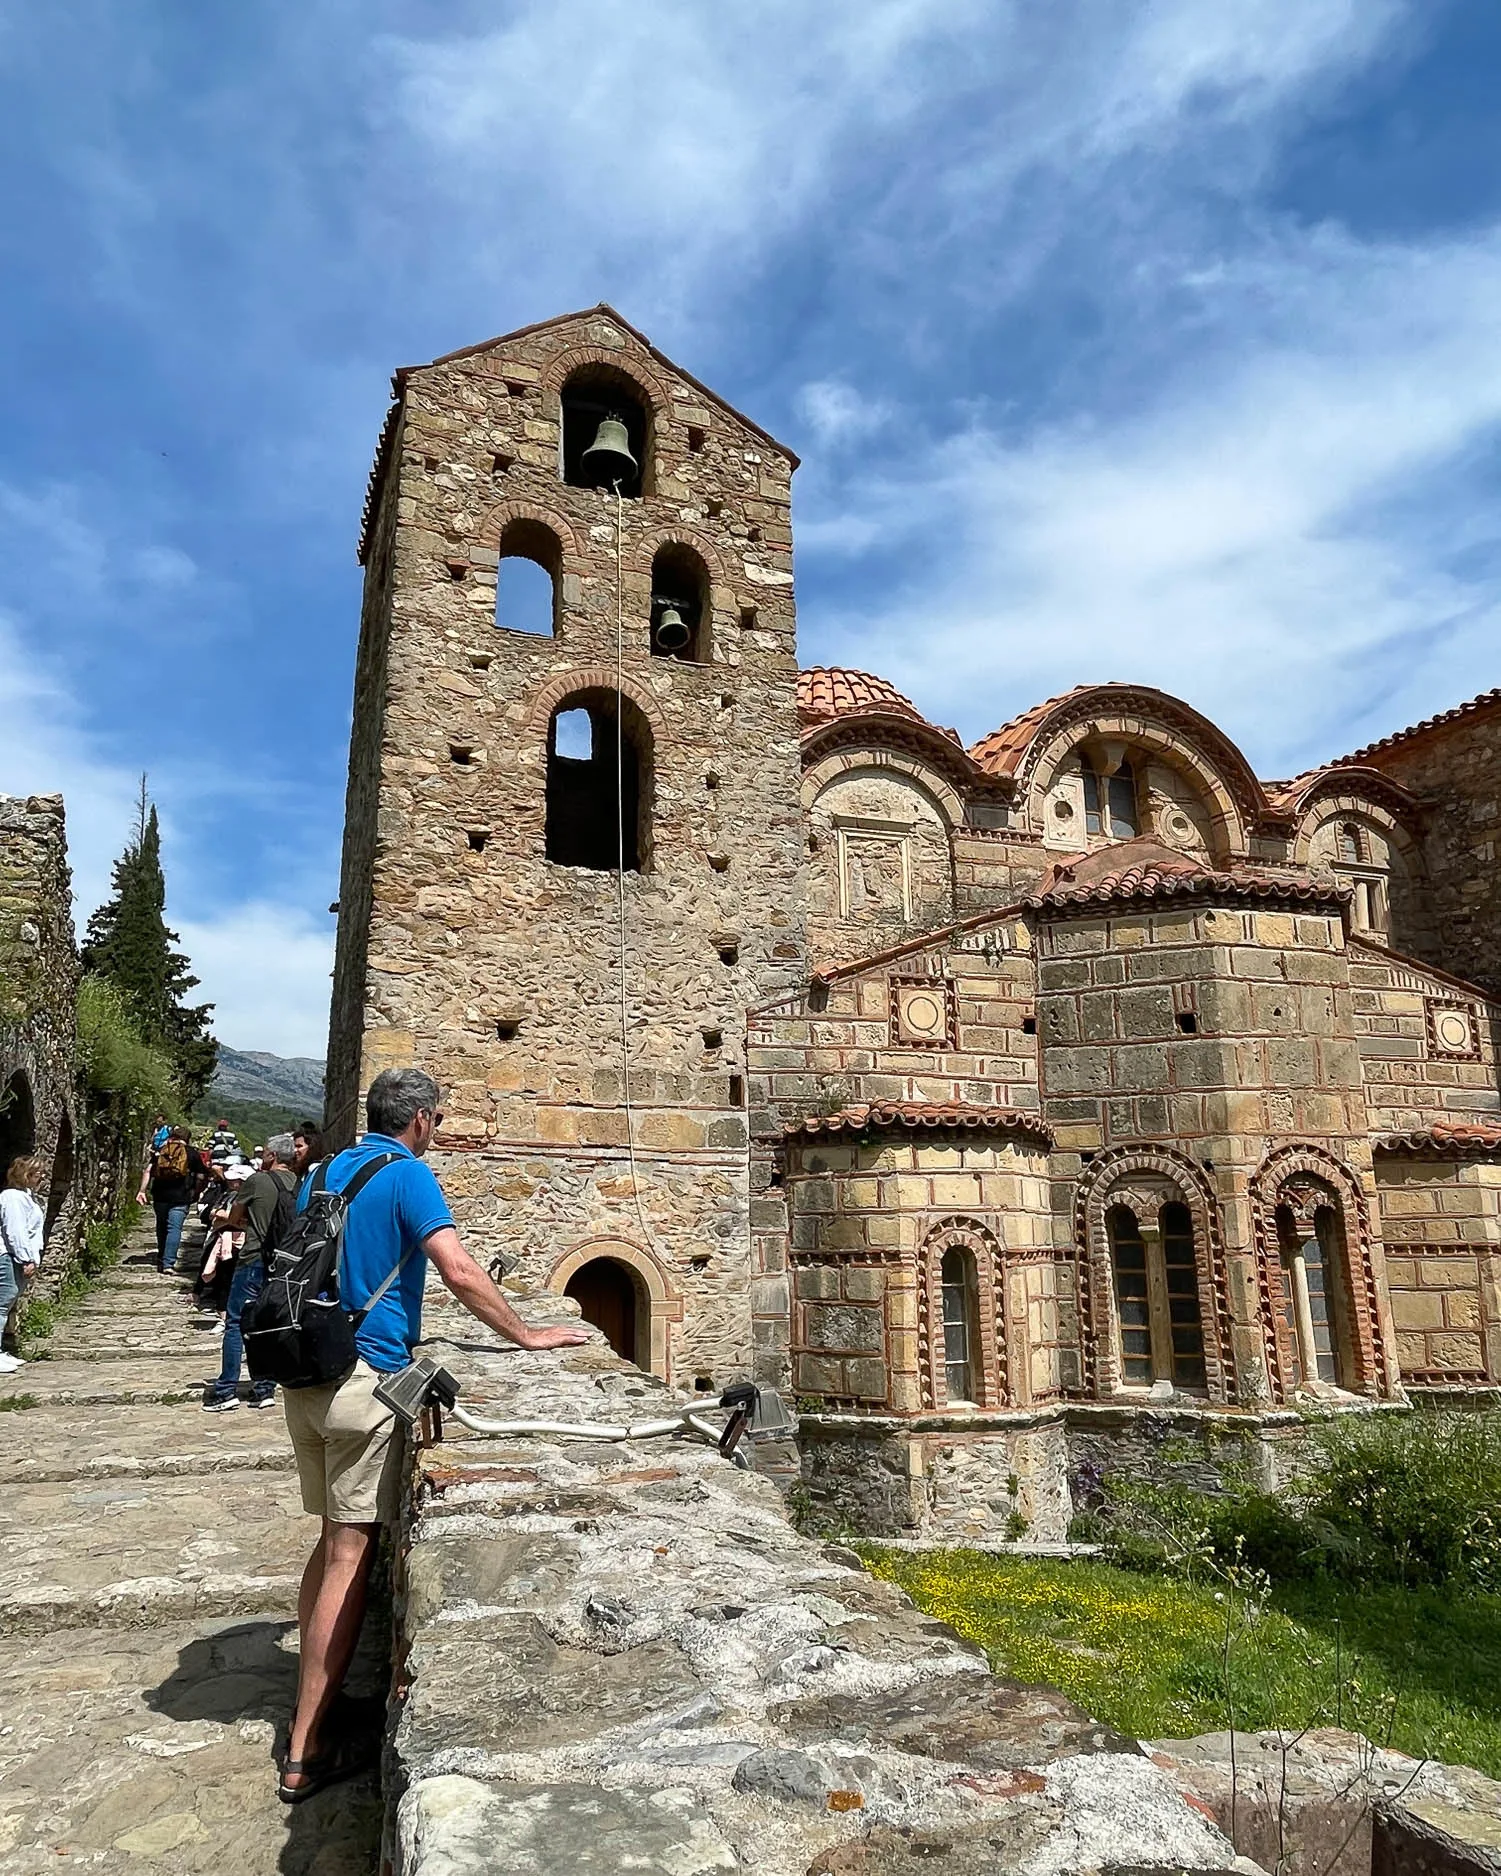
(671,632)
(608,458)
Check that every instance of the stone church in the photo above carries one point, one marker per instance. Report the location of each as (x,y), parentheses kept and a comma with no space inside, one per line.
(1011,1105)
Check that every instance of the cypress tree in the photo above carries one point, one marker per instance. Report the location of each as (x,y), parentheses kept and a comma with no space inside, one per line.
(128,942)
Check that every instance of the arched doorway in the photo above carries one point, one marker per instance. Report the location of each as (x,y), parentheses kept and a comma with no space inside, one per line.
(17,1119)
(608,1296)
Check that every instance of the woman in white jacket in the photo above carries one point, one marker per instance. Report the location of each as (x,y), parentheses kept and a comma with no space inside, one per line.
(21,1225)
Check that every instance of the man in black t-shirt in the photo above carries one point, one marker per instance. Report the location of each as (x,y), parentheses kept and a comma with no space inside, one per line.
(262,1209)
(172,1180)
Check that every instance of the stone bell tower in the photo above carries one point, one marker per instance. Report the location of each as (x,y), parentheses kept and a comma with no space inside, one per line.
(573,850)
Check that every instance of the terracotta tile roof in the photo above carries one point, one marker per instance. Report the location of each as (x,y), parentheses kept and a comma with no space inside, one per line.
(921,1114)
(829,691)
(1001,751)
(1485,700)
(1145,869)
(1448,1138)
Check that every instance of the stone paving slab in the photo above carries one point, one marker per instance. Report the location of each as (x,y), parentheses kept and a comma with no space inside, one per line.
(147,1550)
(148,1441)
(152,1750)
(86,1382)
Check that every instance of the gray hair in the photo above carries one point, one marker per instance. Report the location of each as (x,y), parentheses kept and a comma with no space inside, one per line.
(397,1096)
(282,1148)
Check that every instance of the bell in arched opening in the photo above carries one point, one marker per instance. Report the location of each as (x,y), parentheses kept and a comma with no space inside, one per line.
(671,633)
(608,458)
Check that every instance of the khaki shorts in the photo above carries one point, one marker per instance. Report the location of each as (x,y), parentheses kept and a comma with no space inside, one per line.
(350,1450)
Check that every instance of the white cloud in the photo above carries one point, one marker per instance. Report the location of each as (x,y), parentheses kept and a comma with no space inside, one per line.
(267,967)
(838,413)
(1274,537)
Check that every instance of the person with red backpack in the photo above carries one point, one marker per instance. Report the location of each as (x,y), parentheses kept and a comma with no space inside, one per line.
(263,1208)
(172,1180)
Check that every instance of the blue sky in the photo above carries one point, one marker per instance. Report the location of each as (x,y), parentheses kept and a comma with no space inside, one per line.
(1139,339)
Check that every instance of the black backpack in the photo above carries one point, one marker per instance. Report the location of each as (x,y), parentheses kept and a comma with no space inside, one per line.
(297,1331)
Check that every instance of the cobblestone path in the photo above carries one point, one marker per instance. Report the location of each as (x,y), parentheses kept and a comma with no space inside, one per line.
(149,1559)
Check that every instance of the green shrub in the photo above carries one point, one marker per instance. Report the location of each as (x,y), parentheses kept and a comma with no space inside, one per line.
(118,1064)
(1415,1497)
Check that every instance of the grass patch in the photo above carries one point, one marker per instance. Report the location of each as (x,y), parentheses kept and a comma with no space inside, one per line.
(18,1403)
(1162,1657)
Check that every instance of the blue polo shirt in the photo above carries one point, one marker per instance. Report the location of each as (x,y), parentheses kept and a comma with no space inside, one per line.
(402,1207)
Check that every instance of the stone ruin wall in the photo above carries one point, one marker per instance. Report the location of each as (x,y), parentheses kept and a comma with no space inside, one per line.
(498,970)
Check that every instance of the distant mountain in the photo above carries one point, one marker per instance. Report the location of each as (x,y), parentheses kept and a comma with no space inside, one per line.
(276,1080)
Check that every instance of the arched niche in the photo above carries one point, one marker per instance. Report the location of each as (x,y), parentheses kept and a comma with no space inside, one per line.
(682,614)
(591,393)
(60,1177)
(17,1118)
(657,1303)
(879,828)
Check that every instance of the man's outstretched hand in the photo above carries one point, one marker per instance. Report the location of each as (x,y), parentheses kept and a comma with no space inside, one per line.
(565,1335)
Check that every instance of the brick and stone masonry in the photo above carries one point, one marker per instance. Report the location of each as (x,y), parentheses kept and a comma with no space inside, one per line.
(1003,1103)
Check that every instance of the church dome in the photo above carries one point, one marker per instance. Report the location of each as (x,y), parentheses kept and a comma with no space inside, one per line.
(828,692)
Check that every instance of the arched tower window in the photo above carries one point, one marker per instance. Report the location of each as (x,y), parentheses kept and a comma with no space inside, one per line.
(1156,1282)
(958,1288)
(1315,1265)
(679,605)
(1351,847)
(599,783)
(527,579)
(596,395)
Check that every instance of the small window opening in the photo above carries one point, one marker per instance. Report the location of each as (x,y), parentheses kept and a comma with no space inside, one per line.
(515,388)
(695,438)
(753,533)
(679,605)
(957,1282)
(737,1091)
(714,507)
(605,431)
(748,617)
(507,1028)
(480,660)
(778,1177)
(1029,1025)
(457,569)
(461,755)
(726,702)
(702,1383)
(478,839)
(720,862)
(713,1039)
(711,780)
(598,784)
(529,564)
(1188,1023)
(501,463)
(729,954)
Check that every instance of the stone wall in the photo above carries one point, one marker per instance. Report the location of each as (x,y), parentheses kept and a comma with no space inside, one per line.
(39,1093)
(626,1657)
(1441,1217)
(1453,765)
(1428,1044)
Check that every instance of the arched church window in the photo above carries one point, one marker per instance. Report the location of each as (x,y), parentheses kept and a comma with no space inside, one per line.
(1110,805)
(598,784)
(606,431)
(1314,1266)
(960,1322)
(1351,847)
(1156,1285)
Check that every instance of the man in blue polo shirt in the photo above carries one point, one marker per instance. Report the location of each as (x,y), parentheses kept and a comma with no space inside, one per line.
(350,1449)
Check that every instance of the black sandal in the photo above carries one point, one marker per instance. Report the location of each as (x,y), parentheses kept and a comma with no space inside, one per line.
(349,1758)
